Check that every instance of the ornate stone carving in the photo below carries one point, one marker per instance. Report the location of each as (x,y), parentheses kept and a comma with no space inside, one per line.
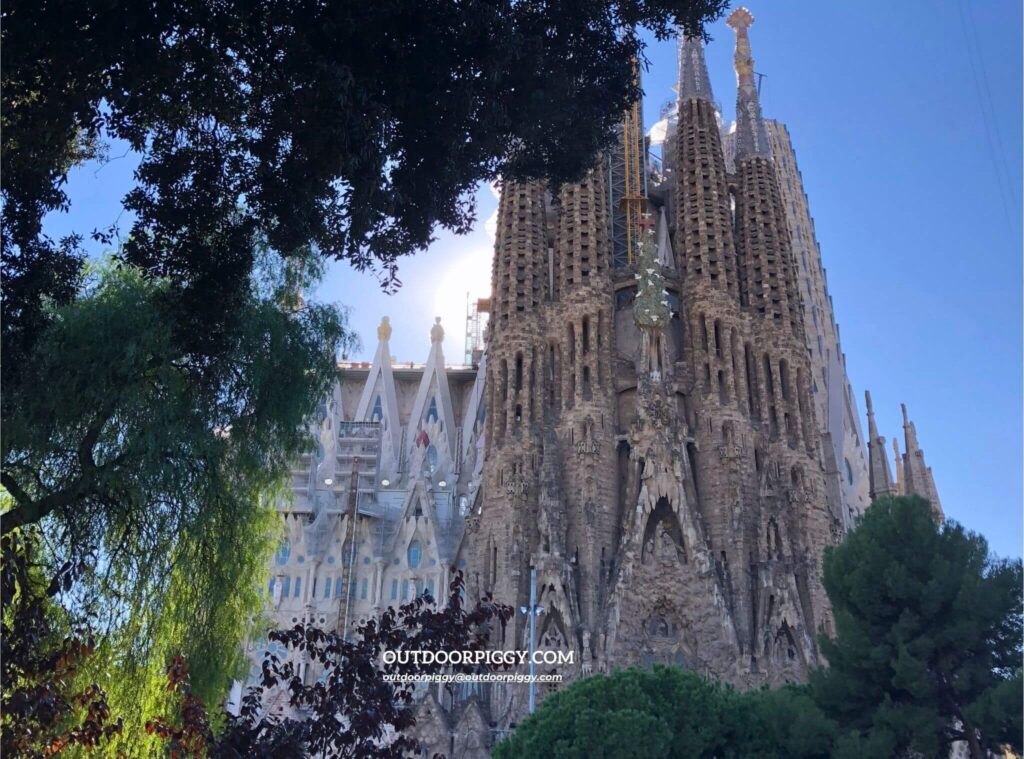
(587,446)
(515,483)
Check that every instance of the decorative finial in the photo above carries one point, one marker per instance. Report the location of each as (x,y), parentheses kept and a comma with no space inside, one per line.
(437,331)
(751,137)
(740,20)
(384,329)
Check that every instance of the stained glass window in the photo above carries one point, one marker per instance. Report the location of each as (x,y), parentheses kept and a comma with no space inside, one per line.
(414,554)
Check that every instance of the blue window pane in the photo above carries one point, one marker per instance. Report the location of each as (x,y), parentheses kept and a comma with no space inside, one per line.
(378,412)
(405,590)
(415,554)
(432,411)
(430,587)
(283,552)
(273,581)
(352,590)
(337,588)
(285,586)
(298,587)
(327,588)
(362,589)
(394,589)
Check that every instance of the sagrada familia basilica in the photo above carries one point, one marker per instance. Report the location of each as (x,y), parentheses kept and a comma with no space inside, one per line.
(660,425)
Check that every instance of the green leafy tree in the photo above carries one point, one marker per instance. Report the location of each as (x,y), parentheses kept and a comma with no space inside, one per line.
(154,470)
(354,127)
(46,707)
(669,712)
(927,649)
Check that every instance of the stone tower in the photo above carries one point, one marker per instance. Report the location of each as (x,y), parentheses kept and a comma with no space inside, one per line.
(652,447)
(646,430)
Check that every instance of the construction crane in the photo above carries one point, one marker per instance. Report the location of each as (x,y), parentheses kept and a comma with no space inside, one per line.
(634,199)
(628,177)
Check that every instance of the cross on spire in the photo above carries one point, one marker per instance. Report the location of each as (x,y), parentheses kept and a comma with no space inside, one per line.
(751,136)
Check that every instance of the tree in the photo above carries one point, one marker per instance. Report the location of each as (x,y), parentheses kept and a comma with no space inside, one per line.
(153,471)
(352,127)
(44,709)
(669,713)
(352,709)
(927,649)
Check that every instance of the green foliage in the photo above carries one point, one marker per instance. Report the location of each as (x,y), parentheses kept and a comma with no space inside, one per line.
(155,469)
(669,713)
(356,128)
(48,707)
(651,307)
(927,648)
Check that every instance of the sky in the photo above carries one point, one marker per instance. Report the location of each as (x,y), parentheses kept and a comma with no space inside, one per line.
(906,120)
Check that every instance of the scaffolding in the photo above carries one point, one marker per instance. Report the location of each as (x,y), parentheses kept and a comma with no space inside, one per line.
(477,312)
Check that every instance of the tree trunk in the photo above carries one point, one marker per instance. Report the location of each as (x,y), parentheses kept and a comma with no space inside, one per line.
(973,743)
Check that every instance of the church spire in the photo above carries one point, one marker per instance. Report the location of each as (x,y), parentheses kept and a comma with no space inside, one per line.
(880,481)
(693,72)
(751,137)
(917,476)
(897,460)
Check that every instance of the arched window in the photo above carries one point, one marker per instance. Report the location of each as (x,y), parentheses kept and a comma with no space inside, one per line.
(284,550)
(378,412)
(414,554)
(784,378)
(432,411)
(432,457)
(327,588)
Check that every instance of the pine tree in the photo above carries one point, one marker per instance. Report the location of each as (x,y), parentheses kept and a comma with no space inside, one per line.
(927,646)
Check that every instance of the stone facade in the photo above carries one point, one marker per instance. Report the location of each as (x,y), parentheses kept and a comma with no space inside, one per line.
(834,401)
(657,438)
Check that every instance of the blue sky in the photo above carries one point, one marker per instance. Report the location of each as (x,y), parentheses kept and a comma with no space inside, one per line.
(906,119)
